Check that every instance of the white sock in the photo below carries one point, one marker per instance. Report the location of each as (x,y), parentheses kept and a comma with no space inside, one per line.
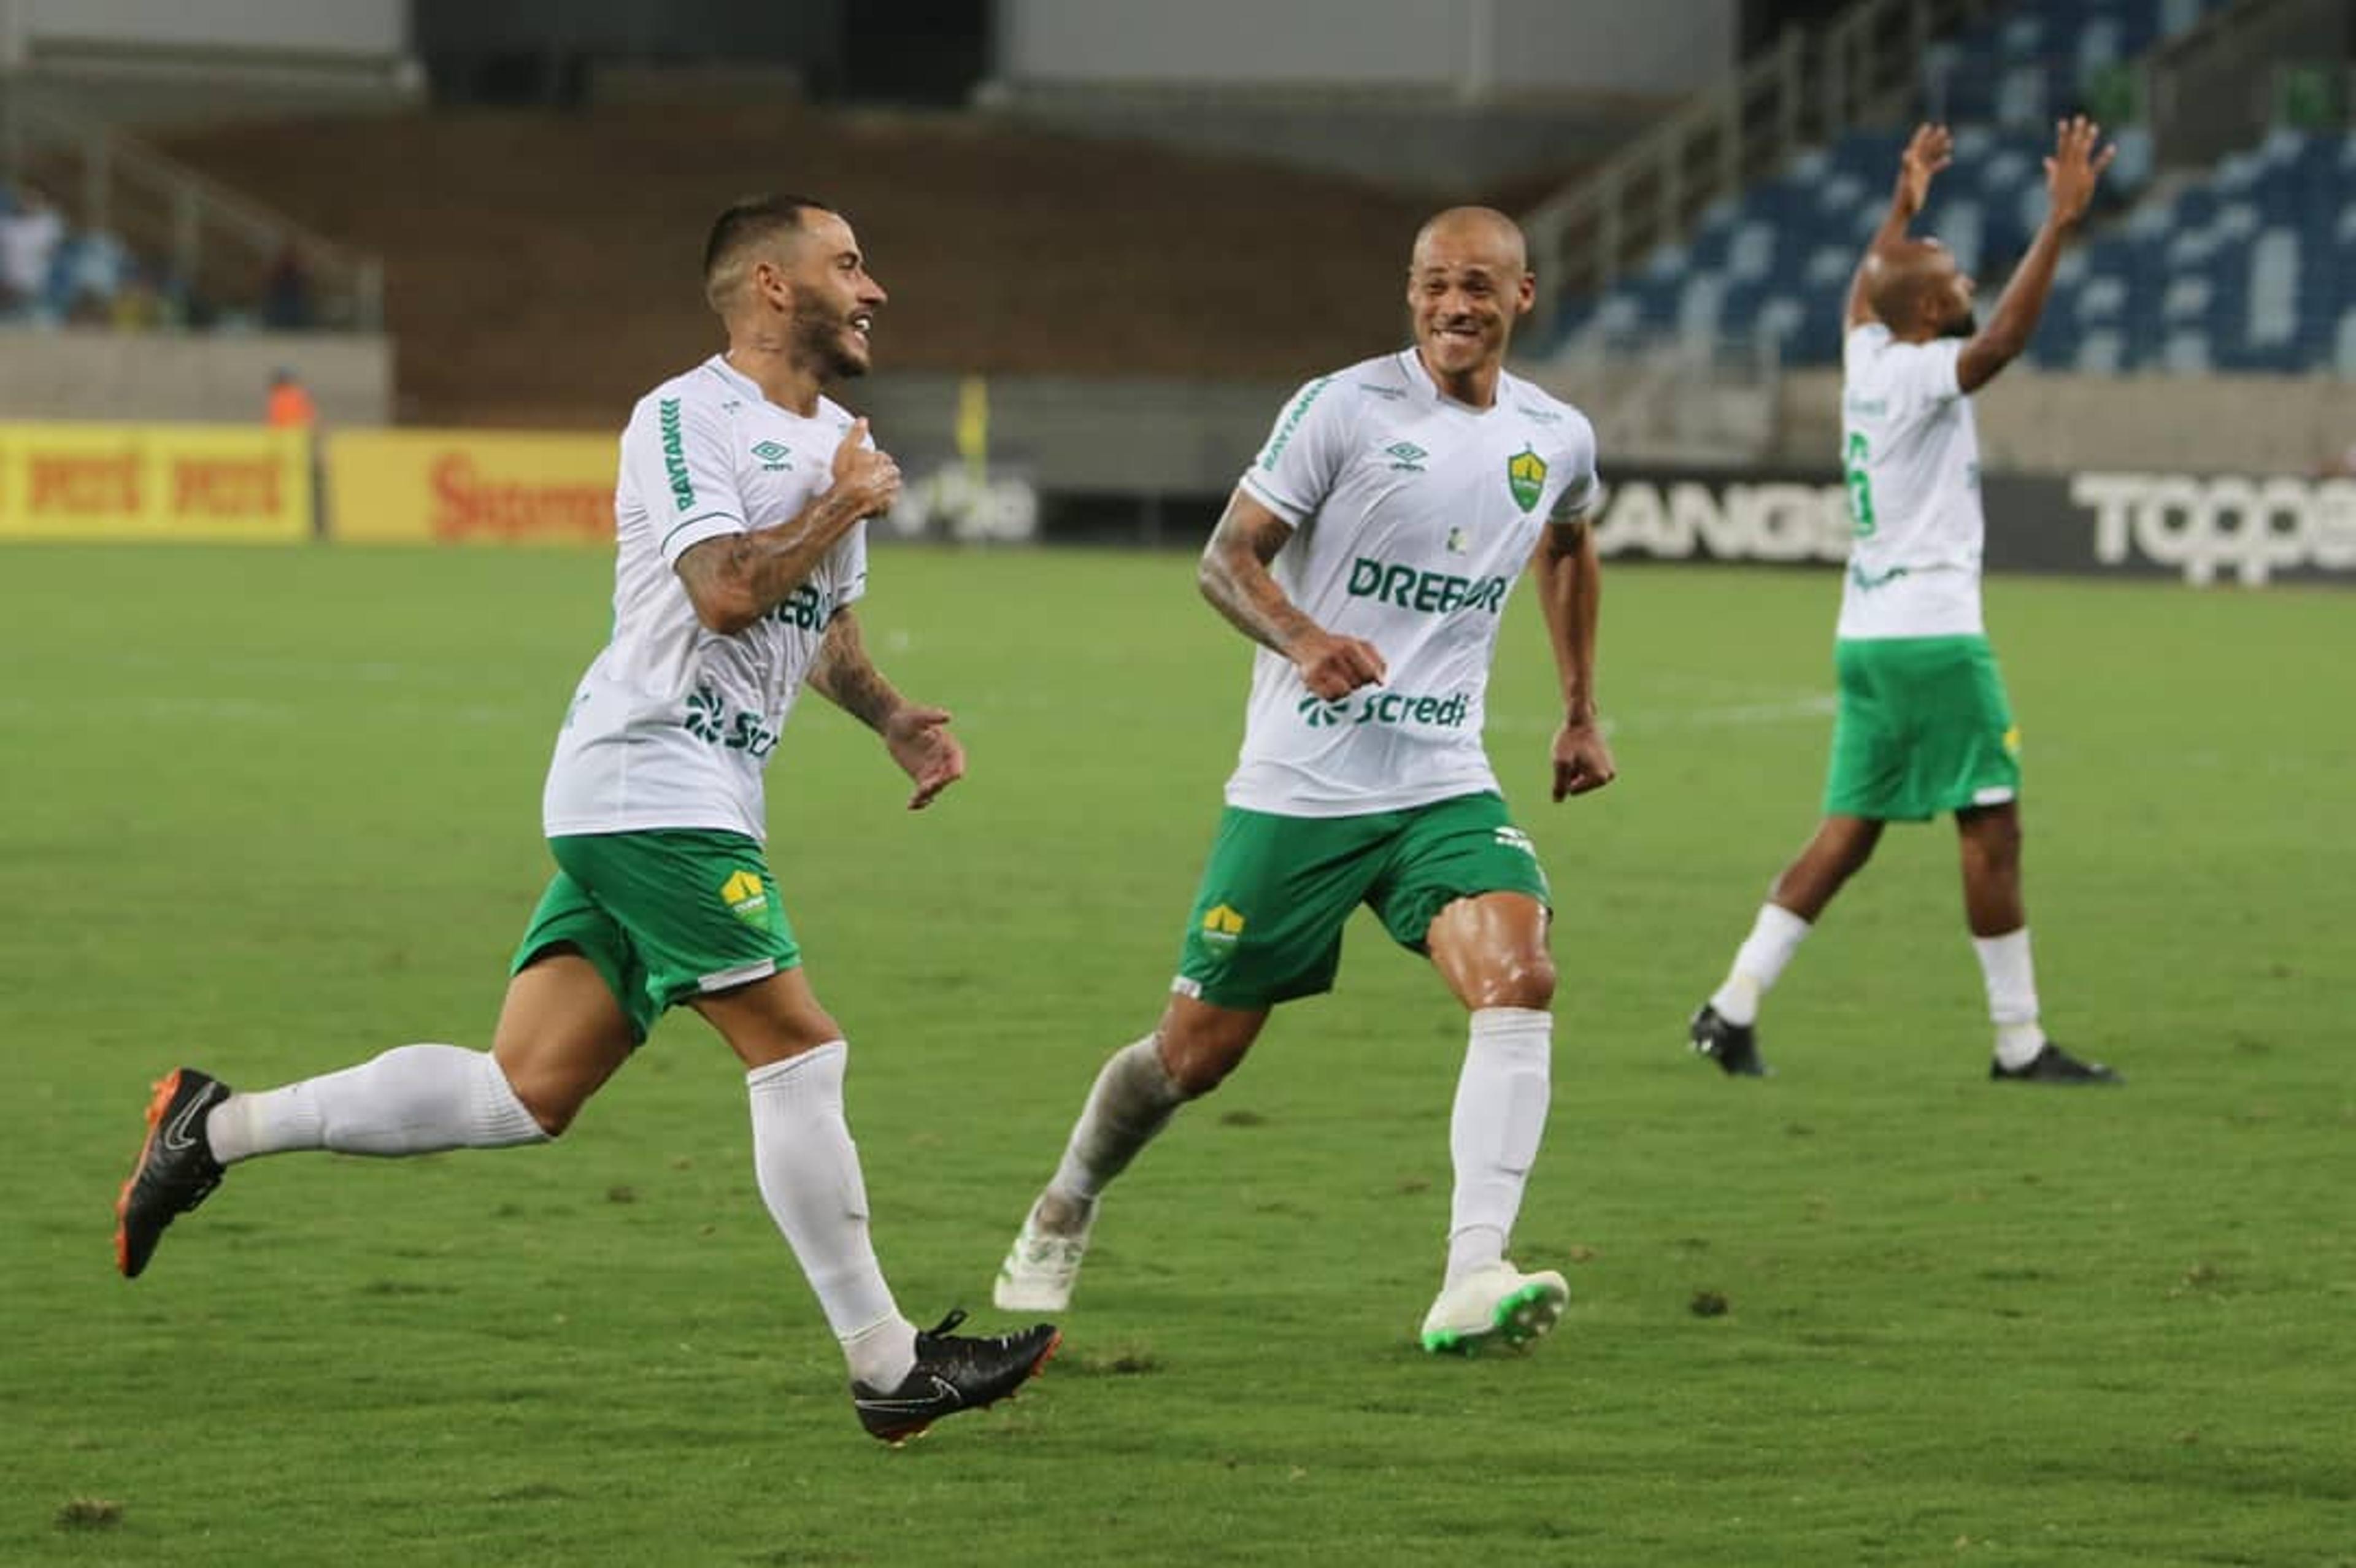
(1759,964)
(1492,1134)
(413,1098)
(2011,996)
(1132,1099)
(809,1172)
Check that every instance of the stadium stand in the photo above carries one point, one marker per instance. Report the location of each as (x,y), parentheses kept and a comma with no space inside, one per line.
(99,230)
(542,266)
(52,272)
(2250,266)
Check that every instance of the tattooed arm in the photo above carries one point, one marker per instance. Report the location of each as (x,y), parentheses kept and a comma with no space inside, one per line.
(844,676)
(735,580)
(1235,578)
(917,736)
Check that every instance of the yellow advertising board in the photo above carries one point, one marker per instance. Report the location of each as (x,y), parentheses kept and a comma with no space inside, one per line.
(456,486)
(211,484)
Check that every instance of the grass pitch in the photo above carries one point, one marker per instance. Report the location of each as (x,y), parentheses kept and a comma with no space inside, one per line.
(269,811)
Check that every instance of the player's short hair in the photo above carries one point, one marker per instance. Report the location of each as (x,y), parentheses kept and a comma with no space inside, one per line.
(744,228)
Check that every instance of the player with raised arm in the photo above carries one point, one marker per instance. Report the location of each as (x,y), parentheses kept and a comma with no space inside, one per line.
(741,547)
(1924,726)
(1369,551)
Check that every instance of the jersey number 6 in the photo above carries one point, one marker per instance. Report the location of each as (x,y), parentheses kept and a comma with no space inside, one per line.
(1860,486)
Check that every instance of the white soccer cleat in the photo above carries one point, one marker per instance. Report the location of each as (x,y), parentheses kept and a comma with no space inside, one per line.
(1496,1306)
(1040,1270)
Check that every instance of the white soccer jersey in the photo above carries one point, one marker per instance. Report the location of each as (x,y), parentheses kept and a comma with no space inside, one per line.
(1912,454)
(674,723)
(1413,516)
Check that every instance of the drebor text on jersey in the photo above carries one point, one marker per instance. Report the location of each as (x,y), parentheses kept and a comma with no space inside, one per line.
(1432,593)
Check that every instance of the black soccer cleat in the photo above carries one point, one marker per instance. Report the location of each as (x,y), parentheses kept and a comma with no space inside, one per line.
(2052,1064)
(175,1170)
(953,1372)
(1734,1046)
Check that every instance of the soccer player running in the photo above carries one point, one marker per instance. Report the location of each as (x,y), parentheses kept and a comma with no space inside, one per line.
(1924,726)
(741,549)
(1369,551)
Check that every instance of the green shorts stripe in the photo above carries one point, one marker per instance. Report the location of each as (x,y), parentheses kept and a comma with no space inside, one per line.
(1268,916)
(662,916)
(1923,728)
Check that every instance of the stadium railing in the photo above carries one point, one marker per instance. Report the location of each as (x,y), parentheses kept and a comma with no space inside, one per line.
(211,239)
(1809,87)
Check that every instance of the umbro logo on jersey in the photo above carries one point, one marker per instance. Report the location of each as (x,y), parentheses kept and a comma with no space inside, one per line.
(775,458)
(1406,457)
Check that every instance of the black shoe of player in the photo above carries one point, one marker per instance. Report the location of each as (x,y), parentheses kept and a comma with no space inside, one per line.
(953,1372)
(176,1168)
(2052,1064)
(1734,1046)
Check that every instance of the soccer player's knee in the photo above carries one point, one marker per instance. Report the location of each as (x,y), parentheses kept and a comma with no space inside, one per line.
(1199,1061)
(1518,980)
(1996,838)
(551,1107)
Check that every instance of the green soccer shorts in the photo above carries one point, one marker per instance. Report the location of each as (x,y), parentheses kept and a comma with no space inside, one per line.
(663,916)
(1923,728)
(1268,918)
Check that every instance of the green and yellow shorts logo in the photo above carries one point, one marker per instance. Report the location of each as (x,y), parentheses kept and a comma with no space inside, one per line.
(746,898)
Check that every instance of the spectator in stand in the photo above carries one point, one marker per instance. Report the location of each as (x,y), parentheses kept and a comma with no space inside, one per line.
(31,229)
(140,306)
(89,276)
(286,293)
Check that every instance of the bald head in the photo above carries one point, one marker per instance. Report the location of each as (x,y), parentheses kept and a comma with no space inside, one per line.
(1471,233)
(1467,282)
(1916,289)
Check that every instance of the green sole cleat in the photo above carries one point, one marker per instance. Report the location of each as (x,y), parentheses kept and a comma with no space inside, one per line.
(1498,1305)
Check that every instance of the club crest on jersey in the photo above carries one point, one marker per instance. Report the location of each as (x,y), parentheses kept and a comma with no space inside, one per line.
(1525,474)
(774,457)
